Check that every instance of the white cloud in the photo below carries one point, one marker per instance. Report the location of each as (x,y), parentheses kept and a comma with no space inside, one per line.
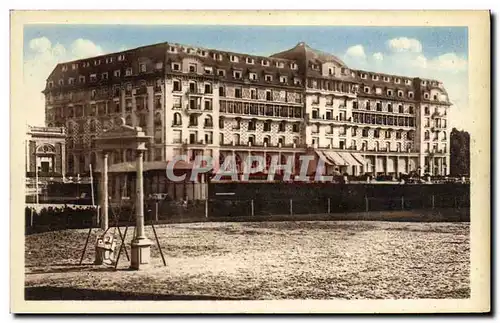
(40,60)
(404,44)
(449,62)
(378,56)
(356,51)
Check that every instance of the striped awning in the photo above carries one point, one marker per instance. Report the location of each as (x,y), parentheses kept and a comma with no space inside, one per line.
(335,158)
(349,159)
(359,158)
(322,156)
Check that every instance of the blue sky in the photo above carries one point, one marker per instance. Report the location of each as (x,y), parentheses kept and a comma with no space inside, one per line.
(431,52)
(262,40)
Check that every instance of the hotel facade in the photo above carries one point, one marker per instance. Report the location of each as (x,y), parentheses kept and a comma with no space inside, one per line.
(196,101)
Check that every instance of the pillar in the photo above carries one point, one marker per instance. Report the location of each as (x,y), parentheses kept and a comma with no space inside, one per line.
(104,190)
(141,246)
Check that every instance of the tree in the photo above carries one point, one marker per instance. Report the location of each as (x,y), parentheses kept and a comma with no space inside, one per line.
(459,153)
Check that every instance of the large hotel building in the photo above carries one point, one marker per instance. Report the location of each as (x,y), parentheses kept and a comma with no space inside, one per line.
(205,101)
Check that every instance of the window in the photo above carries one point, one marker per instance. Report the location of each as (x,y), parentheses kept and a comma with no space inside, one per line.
(264,62)
(81,79)
(367,89)
(50,84)
(386,79)
(398,134)
(253,76)
(398,80)
(221,73)
(237,74)
(237,92)
(222,91)
(389,92)
(208,88)
(208,104)
(400,94)
(177,119)
(379,106)
(251,125)
(234,58)
(435,97)
(376,133)
(176,66)
(142,68)
(426,135)
(104,76)
(282,127)
(192,68)
(387,134)
(177,86)
(426,95)
(426,111)
(282,79)
(269,78)
(411,111)
(268,96)
(250,60)
(159,65)
(121,57)
(208,70)
(280,64)
(410,95)
(71,81)
(401,108)
(116,73)
(375,77)
(408,82)
(331,71)
(251,139)
(365,132)
(97,62)
(221,122)
(253,94)
(363,76)
(61,82)
(294,66)
(367,105)
(74,66)
(295,127)
(93,77)
(355,104)
(267,126)
(128,72)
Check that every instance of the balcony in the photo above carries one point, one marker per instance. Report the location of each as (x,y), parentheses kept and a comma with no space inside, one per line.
(208,125)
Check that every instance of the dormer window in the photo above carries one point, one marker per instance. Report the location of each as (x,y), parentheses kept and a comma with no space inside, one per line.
(74,66)
(280,64)
(410,95)
(51,84)
(109,60)
(237,74)
(343,71)
(400,94)
(234,58)
(315,66)
(363,76)
(435,97)
(202,53)
(375,77)
(190,51)
(192,68)
(64,68)
(93,77)
(250,60)
(408,82)
(367,89)
(172,49)
(296,81)
(142,68)
(283,79)
(264,62)
(128,72)
(117,73)
(386,79)
(424,82)
(268,78)
(97,62)
(389,92)
(294,66)
(61,82)
(331,71)
(71,81)
(81,79)
(253,76)
(121,58)
(426,95)
(104,76)
(208,70)
(398,80)
(176,66)
(221,73)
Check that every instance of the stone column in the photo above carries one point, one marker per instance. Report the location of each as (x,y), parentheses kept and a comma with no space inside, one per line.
(140,245)
(104,190)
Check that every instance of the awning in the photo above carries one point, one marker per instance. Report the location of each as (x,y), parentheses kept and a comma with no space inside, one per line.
(322,156)
(335,158)
(349,159)
(359,158)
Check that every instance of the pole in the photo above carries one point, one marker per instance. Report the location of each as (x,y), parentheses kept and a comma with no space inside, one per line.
(140,196)
(402,202)
(366,203)
(432,201)
(92,185)
(252,208)
(156,211)
(291,207)
(328,205)
(206,208)
(36,183)
(104,194)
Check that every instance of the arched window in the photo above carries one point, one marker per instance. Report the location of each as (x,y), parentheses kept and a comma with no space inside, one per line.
(426,111)
(426,135)
(252,124)
(444,135)
(177,119)
(281,140)
(267,140)
(208,121)
(251,139)
(282,126)
(236,139)
(221,122)
(365,132)
(295,127)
